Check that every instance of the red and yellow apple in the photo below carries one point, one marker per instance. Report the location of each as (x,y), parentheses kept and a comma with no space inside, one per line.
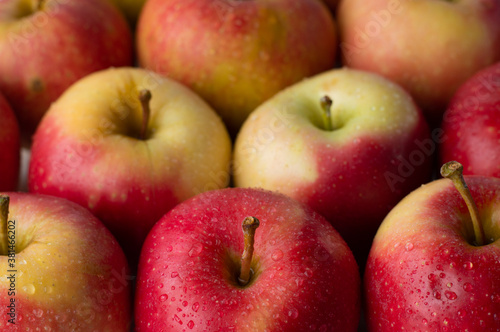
(353,166)
(46,45)
(429,270)
(429,47)
(236,54)
(9,147)
(129,159)
(62,270)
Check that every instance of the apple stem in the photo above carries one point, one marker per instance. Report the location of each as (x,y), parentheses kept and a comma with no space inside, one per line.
(453,170)
(326,104)
(145,98)
(249,226)
(4,215)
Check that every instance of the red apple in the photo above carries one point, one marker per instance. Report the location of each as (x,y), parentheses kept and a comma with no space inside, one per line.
(129,145)
(236,54)
(9,147)
(62,270)
(435,266)
(352,166)
(46,45)
(471,124)
(429,47)
(199,271)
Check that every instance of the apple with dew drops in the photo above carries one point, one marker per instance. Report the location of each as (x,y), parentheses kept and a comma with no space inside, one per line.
(200,270)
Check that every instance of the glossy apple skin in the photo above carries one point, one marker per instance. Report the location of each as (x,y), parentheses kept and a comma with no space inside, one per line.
(86,150)
(44,53)
(236,54)
(471,124)
(71,273)
(9,147)
(306,278)
(429,47)
(283,147)
(424,275)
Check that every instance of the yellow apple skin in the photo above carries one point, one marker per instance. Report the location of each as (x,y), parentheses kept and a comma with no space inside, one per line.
(424,273)
(236,54)
(428,47)
(345,174)
(71,273)
(86,149)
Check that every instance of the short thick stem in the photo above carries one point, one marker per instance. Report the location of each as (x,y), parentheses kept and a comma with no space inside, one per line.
(326,106)
(453,170)
(249,226)
(145,98)
(4,220)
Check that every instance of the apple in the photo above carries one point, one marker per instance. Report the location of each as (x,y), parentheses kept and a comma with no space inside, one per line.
(129,145)
(349,144)
(205,266)
(10,148)
(62,270)
(236,54)
(130,8)
(47,45)
(471,124)
(429,47)
(434,265)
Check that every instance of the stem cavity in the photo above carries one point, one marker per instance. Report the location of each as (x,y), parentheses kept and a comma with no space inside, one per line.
(249,226)
(453,170)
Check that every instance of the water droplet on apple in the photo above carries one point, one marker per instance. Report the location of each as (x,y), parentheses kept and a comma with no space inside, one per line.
(449,285)
(163,297)
(450,295)
(169,248)
(190,324)
(195,250)
(160,286)
(38,312)
(185,303)
(293,313)
(174,274)
(30,289)
(195,306)
(409,246)
(177,319)
(277,255)
(468,266)
(437,295)
(468,287)
(424,321)
(321,254)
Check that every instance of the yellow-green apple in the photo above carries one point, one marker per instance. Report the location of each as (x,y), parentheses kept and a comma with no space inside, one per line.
(9,147)
(471,124)
(236,54)
(129,145)
(130,8)
(205,266)
(429,47)
(353,166)
(46,45)
(435,266)
(62,270)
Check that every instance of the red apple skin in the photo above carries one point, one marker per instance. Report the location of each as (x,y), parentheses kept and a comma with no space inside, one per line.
(236,54)
(422,273)
(74,278)
(471,124)
(67,40)
(9,147)
(306,277)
